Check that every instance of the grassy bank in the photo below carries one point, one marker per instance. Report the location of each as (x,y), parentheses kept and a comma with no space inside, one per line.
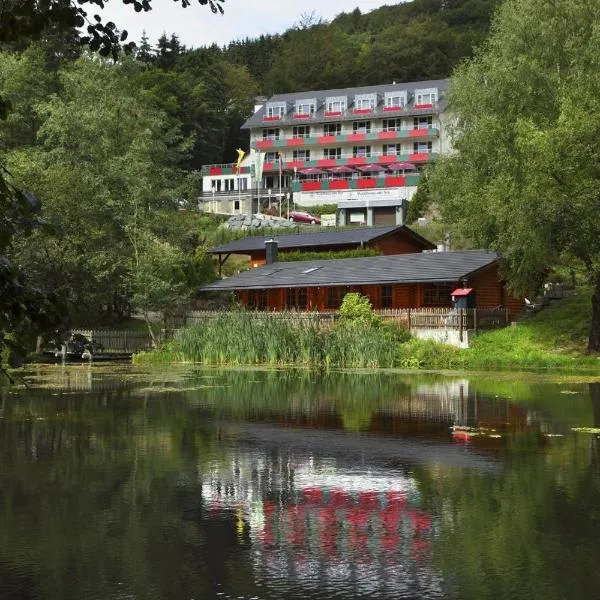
(554,339)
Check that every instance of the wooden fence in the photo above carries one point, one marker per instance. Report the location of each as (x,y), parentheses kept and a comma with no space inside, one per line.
(412,318)
(115,341)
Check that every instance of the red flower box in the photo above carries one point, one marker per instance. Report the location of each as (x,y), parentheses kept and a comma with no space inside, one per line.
(387,135)
(357,160)
(215,171)
(419,157)
(395,181)
(362,111)
(275,118)
(301,116)
(326,162)
(392,108)
(295,141)
(327,139)
(369,182)
(384,159)
(422,131)
(421,106)
(339,184)
(311,186)
(260,144)
(332,113)
(356,137)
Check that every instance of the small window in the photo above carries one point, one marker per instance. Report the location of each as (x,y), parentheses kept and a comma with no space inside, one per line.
(426,96)
(271,133)
(301,155)
(361,127)
(335,295)
(276,110)
(301,131)
(296,298)
(421,147)
(332,153)
(386,296)
(236,205)
(422,122)
(365,102)
(332,129)
(271,157)
(361,151)
(392,149)
(395,99)
(392,124)
(306,107)
(257,299)
(336,106)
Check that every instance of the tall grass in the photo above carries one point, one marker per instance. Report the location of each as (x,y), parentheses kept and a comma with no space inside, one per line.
(240,338)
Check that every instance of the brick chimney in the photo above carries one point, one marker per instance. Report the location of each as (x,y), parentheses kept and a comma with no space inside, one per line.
(271,252)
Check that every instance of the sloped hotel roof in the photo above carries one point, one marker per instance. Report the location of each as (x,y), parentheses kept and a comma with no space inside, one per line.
(256,120)
(430,267)
(357,236)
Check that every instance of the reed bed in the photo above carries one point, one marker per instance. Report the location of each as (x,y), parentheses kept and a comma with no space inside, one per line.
(239,338)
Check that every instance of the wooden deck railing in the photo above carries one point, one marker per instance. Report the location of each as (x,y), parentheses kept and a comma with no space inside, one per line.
(412,318)
(117,341)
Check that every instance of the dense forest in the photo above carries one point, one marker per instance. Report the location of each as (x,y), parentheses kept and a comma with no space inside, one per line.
(100,149)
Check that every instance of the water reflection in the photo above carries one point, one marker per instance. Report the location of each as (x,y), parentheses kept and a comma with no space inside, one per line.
(211,484)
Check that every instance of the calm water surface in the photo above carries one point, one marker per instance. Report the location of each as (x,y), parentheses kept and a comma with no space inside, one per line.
(140,484)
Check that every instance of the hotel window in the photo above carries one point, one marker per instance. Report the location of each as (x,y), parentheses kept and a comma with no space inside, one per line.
(428,96)
(216,185)
(361,151)
(392,124)
(437,294)
(229,185)
(335,295)
(332,153)
(271,157)
(301,131)
(386,296)
(392,149)
(336,104)
(365,102)
(422,122)
(306,107)
(361,127)
(420,147)
(257,299)
(395,99)
(275,110)
(301,155)
(332,129)
(296,298)
(271,133)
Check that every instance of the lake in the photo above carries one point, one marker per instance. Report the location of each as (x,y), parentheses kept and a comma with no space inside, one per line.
(144,483)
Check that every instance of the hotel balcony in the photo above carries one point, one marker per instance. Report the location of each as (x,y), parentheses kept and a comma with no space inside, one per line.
(224,169)
(324,116)
(349,160)
(376,134)
(364,182)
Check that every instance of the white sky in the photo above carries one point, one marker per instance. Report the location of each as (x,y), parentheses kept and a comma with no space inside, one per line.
(197,26)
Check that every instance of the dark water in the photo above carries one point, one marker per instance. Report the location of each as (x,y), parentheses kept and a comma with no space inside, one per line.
(122,483)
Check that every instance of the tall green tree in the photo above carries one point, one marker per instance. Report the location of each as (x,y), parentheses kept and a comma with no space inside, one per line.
(525,177)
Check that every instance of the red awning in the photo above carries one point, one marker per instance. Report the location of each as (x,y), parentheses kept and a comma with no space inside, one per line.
(462,292)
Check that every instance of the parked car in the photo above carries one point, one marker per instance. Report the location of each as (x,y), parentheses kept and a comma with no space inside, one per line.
(303,217)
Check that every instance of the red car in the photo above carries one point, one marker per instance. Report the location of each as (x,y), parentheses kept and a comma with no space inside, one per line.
(303,217)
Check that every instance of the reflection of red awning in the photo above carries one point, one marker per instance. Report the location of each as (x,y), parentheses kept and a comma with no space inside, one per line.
(462,292)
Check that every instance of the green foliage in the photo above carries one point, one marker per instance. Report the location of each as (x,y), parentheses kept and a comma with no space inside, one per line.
(420,202)
(319,209)
(357,310)
(298,255)
(523,179)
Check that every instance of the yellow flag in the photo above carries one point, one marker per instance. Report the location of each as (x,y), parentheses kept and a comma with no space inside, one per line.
(241,155)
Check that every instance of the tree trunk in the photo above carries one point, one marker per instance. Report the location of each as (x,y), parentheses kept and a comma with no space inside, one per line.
(594,339)
(150,330)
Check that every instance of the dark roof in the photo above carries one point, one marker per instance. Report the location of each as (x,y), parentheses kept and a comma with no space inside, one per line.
(256,120)
(399,268)
(344,237)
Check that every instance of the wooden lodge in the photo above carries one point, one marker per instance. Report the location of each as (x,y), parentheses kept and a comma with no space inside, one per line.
(387,240)
(400,281)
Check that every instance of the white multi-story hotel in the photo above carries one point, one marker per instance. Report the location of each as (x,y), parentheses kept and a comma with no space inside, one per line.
(359,148)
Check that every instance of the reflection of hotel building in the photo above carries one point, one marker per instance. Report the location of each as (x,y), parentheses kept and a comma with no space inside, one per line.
(310,521)
(360,148)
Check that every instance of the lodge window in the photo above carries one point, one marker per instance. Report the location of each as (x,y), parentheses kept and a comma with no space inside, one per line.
(392,149)
(361,151)
(296,298)
(271,157)
(419,147)
(301,131)
(437,294)
(422,122)
(395,99)
(386,296)
(301,154)
(257,299)
(229,185)
(216,185)
(332,153)
(361,127)
(392,124)
(271,134)
(332,129)
(335,295)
